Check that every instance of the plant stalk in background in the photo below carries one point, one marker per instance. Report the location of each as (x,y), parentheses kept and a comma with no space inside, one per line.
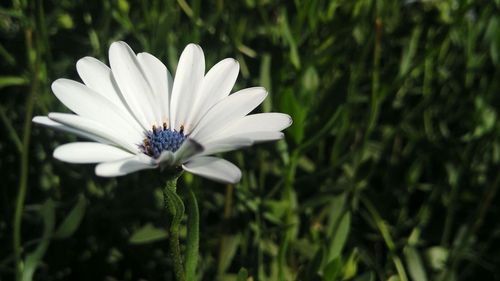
(33,60)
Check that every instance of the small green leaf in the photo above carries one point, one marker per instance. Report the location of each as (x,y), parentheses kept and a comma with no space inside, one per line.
(242,275)
(310,80)
(229,246)
(287,35)
(265,80)
(66,21)
(275,210)
(337,209)
(124,6)
(394,278)
(315,263)
(437,256)
(33,259)
(351,266)
(409,53)
(193,235)
(415,265)
(247,50)
(291,105)
(332,269)
(147,234)
(6,81)
(72,220)
(339,238)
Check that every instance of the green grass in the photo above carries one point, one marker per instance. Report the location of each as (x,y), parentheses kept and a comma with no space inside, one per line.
(390,170)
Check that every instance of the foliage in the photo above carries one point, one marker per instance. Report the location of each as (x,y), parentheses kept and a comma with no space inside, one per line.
(389,171)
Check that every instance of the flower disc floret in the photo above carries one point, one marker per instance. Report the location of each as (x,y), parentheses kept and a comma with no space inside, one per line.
(158,140)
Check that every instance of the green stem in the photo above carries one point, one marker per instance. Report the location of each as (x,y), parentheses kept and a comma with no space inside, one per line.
(24,163)
(193,235)
(375,95)
(386,235)
(175,210)
(291,219)
(175,254)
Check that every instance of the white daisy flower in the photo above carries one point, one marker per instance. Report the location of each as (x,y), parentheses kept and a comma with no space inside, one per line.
(140,118)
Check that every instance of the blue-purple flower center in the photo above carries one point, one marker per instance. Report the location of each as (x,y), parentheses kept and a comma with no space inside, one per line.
(158,140)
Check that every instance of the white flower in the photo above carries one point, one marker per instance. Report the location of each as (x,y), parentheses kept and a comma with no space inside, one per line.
(140,118)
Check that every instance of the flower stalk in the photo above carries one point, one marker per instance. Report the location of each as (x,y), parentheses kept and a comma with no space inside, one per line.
(175,209)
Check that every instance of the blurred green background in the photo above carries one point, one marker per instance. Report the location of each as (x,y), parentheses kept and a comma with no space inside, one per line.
(389,172)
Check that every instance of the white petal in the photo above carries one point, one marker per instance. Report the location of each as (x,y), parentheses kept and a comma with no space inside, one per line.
(188,76)
(255,123)
(257,137)
(159,79)
(239,141)
(125,166)
(97,76)
(215,86)
(89,104)
(94,128)
(89,152)
(188,149)
(133,84)
(47,122)
(227,144)
(229,109)
(213,168)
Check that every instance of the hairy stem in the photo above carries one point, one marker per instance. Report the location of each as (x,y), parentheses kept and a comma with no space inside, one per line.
(175,210)
(175,254)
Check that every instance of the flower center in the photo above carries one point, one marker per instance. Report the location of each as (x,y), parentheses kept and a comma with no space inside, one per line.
(158,140)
